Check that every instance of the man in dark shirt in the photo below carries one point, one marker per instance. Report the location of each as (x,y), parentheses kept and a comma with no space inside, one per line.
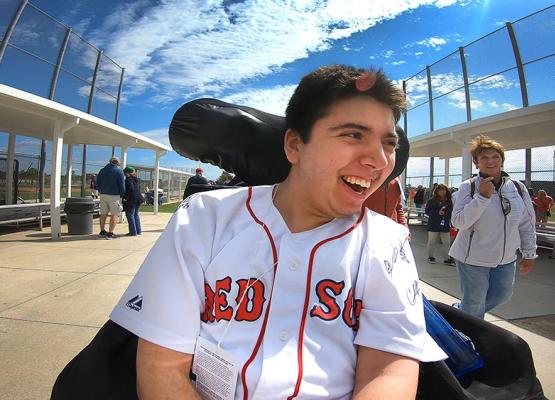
(110,182)
(197,179)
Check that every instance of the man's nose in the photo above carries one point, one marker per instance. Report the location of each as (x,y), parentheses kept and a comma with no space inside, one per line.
(374,156)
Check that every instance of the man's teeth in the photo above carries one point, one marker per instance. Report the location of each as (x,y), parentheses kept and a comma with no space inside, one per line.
(357,181)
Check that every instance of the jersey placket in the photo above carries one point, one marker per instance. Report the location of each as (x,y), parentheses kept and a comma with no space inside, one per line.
(280,365)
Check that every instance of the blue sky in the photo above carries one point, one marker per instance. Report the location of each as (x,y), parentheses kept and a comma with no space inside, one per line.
(254,52)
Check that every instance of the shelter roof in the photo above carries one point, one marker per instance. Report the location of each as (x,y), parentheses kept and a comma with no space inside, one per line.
(522,128)
(26,114)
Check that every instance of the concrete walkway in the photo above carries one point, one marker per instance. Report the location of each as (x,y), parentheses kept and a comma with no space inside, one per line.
(56,294)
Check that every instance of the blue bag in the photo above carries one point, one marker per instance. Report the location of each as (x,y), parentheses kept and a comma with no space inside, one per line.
(463,357)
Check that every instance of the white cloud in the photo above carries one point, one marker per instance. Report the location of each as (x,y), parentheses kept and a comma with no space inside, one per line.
(160,135)
(400,62)
(509,106)
(199,46)
(432,42)
(417,88)
(273,100)
(347,48)
(493,104)
(418,53)
(388,54)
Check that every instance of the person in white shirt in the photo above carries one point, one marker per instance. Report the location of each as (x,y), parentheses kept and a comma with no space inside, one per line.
(495,218)
(312,294)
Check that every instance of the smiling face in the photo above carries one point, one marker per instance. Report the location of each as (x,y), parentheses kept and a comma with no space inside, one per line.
(351,151)
(489,162)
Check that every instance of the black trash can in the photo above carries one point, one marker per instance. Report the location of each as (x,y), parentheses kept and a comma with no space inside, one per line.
(79,214)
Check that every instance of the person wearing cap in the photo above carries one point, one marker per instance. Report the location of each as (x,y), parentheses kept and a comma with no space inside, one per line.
(194,180)
(132,200)
(110,183)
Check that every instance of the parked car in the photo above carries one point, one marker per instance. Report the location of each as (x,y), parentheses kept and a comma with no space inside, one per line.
(149,197)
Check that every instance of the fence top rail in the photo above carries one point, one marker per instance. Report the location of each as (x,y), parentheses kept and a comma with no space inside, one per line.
(72,31)
(480,38)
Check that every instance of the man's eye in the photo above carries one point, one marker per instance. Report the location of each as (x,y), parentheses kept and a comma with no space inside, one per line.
(354,135)
(392,143)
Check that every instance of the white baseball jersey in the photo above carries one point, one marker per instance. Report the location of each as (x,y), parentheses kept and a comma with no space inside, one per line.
(311,297)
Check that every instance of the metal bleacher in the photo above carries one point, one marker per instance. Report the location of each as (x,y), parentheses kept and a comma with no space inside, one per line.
(31,213)
(545,236)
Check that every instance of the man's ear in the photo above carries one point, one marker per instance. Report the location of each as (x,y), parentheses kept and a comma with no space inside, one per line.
(292,144)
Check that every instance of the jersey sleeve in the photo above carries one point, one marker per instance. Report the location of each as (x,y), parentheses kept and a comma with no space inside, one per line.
(392,316)
(164,301)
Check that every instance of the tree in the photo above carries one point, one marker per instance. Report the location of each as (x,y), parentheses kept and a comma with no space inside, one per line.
(224,178)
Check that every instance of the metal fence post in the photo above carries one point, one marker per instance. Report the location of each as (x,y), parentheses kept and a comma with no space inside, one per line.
(524,94)
(56,72)
(93,83)
(431,104)
(119,96)
(405,114)
(84,170)
(11,28)
(519,66)
(89,111)
(466,87)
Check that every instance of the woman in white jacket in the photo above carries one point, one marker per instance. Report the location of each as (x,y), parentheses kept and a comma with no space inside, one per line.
(495,218)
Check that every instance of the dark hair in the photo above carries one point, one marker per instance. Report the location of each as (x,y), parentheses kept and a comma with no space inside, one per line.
(318,90)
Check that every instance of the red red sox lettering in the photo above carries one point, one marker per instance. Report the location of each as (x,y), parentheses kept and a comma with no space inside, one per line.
(330,305)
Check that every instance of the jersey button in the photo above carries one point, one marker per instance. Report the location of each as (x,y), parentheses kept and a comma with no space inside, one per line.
(293,266)
(283,336)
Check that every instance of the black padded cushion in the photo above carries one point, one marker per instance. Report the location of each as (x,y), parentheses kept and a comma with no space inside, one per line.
(242,140)
(508,372)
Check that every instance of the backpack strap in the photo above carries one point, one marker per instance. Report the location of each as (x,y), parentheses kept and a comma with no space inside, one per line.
(472,187)
(518,185)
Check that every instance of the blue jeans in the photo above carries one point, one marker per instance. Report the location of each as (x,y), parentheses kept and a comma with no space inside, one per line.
(485,288)
(133,220)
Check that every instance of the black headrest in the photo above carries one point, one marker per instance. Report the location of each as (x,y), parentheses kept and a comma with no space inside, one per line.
(242,140)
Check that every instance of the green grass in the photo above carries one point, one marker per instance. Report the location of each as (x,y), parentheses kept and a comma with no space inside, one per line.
(165,208)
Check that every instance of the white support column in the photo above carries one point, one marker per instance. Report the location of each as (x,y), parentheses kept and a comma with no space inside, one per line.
(528,167)
(466,164)
(180,180)
(69,169)
(446,168)
(60,127)
(123,156)
(466,170)
(403,179)
(156,181)
(10,168)
(124,148)
(56,180)
(169,185)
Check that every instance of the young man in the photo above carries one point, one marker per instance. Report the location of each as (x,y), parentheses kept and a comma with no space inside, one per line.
(314,295)
(495,218)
